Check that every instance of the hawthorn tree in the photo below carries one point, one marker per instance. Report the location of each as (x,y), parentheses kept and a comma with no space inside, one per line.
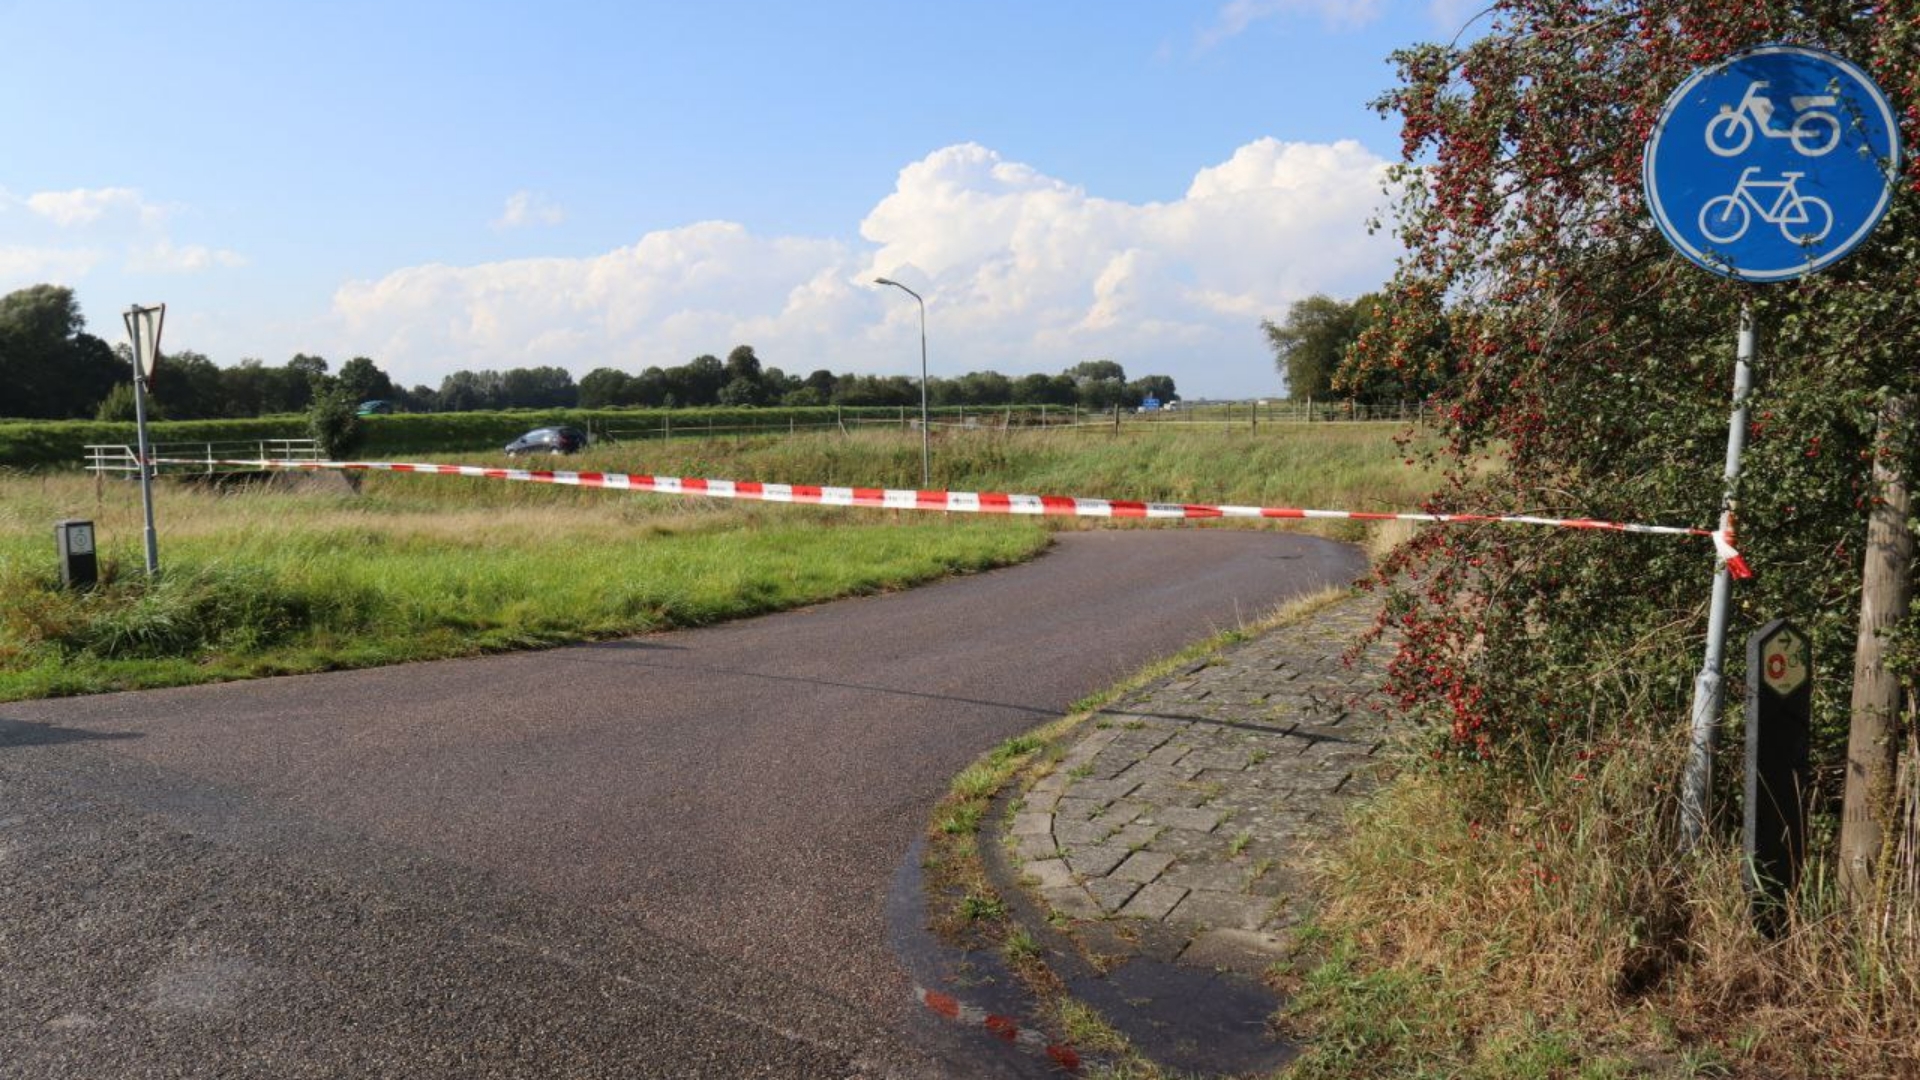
(1592,365)
(1310,343)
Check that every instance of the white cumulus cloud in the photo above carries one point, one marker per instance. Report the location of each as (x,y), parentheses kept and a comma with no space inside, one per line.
(66,235)
(526,208)
(1021,272)
(83,206)
(1237,15)
(165,257)
(21,265)
(1234,18)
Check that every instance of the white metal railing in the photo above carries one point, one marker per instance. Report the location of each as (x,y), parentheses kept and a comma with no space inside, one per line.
(198,457)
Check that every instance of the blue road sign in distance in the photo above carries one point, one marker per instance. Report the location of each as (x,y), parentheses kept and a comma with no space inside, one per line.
(1772,163)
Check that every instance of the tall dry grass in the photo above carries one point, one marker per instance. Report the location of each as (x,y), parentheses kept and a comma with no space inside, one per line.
(1555,913)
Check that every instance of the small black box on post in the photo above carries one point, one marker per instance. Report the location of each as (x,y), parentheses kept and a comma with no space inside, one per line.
(1779,711)
(79,567)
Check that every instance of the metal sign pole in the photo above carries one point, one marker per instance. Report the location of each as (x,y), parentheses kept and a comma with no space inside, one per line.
(146,474)
(1709,688)
(143,329)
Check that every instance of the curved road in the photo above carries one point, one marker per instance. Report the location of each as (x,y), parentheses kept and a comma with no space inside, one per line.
(658,856)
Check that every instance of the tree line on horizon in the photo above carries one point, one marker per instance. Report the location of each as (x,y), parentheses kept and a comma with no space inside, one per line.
(51,368)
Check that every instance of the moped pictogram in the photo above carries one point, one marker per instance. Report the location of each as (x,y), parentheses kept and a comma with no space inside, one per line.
(1813,131)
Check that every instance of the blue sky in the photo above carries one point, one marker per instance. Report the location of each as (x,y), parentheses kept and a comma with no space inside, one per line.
(468,185)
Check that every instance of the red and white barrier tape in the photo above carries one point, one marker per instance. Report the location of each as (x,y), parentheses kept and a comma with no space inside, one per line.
(1004,1027)
(974,502)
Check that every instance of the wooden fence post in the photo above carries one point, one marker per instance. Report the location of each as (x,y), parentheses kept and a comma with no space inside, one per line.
(1872,744)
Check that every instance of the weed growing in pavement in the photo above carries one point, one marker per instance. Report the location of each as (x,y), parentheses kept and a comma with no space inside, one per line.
(975,907)
(1020,946)
(1086,1030)
(977,781)
(962,820)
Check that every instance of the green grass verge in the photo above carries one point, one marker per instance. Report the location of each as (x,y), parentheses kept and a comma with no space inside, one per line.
(307,575)
(274,582)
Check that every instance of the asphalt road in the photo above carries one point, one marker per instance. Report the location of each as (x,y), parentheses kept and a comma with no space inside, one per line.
(664,856)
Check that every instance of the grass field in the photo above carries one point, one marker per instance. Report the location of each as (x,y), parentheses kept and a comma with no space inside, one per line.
(270,579)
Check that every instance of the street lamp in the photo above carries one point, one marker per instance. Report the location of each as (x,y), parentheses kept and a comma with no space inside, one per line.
(926,472)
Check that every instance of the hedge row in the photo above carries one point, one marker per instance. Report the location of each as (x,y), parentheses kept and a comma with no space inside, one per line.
(62,443)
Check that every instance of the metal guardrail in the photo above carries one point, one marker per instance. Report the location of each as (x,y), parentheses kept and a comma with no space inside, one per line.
(198,458)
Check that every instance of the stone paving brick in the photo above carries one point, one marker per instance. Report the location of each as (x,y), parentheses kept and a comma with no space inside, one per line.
(1274,883)
(1121,813)
(1177,817)
(1169,793)
(1221,910)
(1134,837)
(1070,808)
(1142,866)
(1032,824)
(1049,873)
(1078,833)
(1215,877)
(1112,894)
(1103,790)
(1054,783)
(1245,951)
(1153,901)
(1169,754)
(1097,860)
(1032,848)
(1073,901)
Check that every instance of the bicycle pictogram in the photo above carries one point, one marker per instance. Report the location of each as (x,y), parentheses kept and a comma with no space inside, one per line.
(1813,132)
(1803,219)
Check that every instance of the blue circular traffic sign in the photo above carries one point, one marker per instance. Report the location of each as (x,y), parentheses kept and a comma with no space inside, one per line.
(1772,163)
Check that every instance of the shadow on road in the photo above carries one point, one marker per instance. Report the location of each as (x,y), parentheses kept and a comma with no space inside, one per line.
(25,733)
(576,656)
